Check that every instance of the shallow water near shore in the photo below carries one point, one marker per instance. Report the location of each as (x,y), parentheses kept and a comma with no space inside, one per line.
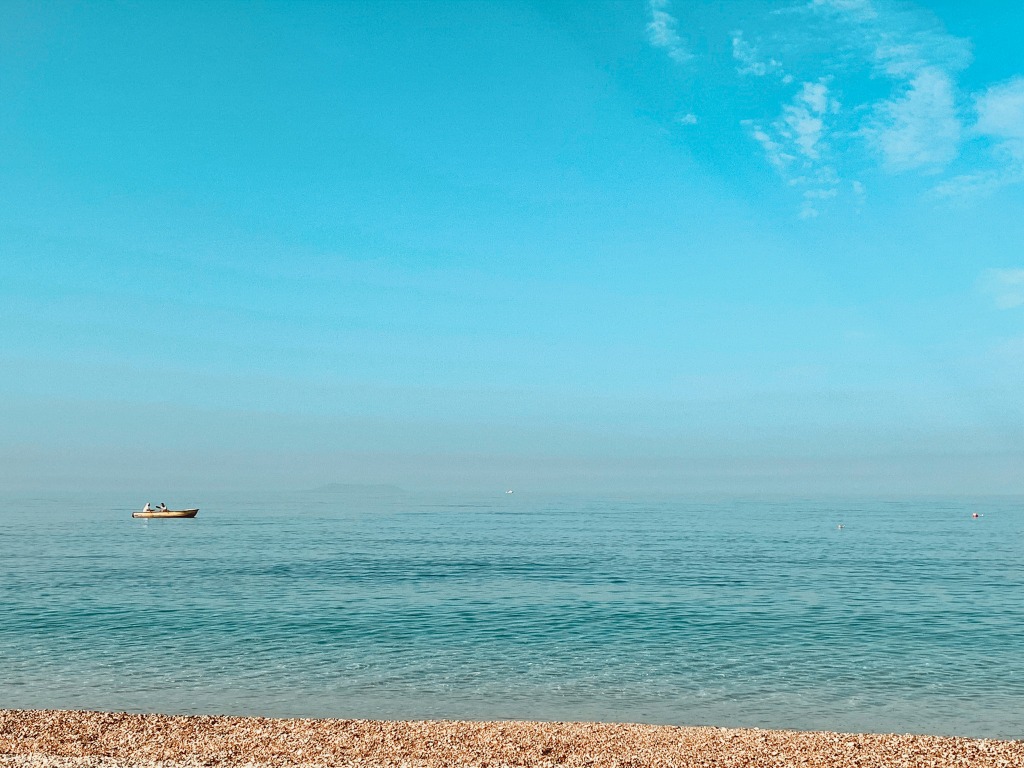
(395,605)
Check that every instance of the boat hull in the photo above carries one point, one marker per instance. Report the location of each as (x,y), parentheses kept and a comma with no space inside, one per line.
(168,513)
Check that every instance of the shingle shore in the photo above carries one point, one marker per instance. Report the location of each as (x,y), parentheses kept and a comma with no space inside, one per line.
(73,739)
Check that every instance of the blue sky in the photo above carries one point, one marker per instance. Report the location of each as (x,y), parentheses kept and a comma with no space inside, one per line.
(744,247)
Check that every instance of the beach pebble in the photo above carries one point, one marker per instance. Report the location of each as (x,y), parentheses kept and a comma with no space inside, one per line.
(73,739)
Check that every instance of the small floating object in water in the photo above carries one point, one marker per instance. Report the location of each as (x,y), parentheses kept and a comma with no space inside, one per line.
(840,526)
(509,491)
(975,514)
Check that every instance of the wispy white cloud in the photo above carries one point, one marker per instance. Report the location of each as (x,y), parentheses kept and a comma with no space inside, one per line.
(688,119)
(904,45)
(919,128)
(1001,116)
(862,9)
(773,150)
(803,120)
(895,68)
(813,197)
(663,32)
(750,60)
(799,131)
(1000,120)
(796,142)
(972,186)
(1004,286)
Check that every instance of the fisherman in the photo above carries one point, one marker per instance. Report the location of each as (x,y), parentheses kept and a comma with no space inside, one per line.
(162,507)
(147,508)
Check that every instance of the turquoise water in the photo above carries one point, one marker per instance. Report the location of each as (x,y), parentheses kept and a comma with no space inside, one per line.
(911,618)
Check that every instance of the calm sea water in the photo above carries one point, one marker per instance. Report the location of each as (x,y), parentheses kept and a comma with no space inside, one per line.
(911,618)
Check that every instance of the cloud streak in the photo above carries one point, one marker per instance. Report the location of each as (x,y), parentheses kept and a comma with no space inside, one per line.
(750,60)
(662,32)
(918,126)
(795,144)
(919,129)
(868,87)
(999,112)
(1004,286)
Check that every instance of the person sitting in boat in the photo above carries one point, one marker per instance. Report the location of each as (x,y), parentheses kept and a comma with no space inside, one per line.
(162,507)
(147,508)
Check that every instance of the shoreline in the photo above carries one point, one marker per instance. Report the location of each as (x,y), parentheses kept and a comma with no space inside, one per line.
(84,739)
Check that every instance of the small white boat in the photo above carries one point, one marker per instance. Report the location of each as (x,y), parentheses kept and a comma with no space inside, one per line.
(166,513)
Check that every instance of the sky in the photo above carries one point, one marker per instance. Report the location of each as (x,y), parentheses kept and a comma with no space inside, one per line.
(752,247)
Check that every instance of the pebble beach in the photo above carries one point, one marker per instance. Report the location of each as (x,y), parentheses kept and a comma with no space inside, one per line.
(79,739)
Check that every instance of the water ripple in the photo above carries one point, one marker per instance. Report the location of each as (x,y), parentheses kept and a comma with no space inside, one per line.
(761,614)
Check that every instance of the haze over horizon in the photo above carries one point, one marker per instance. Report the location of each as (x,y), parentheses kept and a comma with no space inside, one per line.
(754,247)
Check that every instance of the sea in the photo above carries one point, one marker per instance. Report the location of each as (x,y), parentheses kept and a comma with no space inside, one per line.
(861,616)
